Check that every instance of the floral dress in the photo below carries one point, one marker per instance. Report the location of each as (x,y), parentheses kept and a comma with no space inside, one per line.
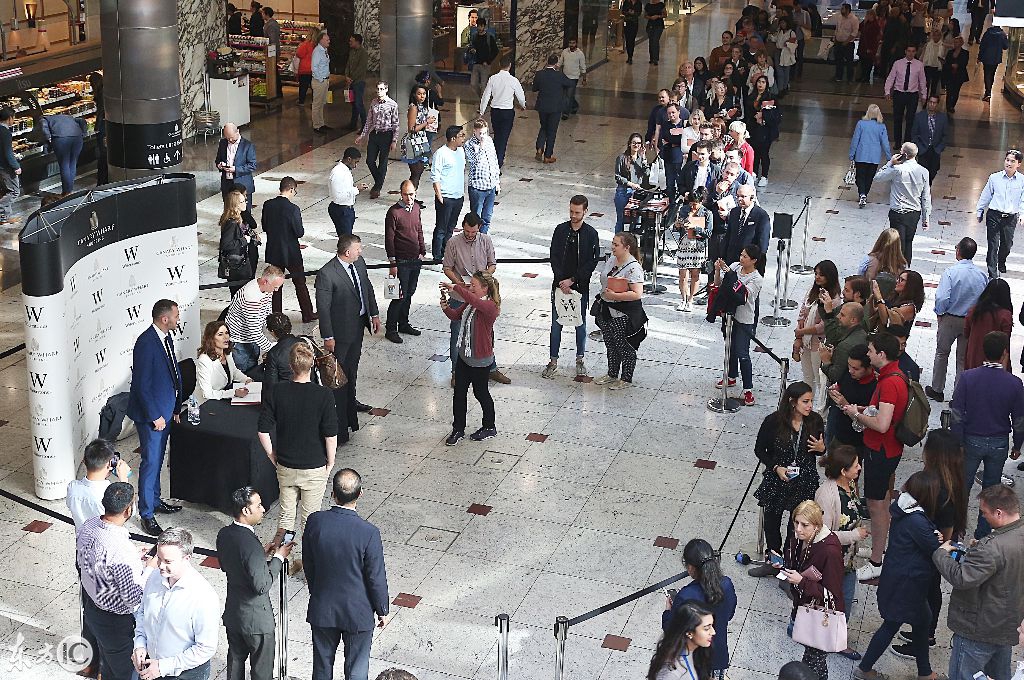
(852,513)
(421,118)
(692,253)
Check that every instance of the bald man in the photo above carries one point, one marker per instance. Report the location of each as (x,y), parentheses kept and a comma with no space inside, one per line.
(236,160)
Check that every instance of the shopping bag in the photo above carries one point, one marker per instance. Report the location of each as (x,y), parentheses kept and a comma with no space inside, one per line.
(436,115)
(569,308)
(825,49)
(293,65)
(348,95)
(656,175)
(392,289)
(851,175)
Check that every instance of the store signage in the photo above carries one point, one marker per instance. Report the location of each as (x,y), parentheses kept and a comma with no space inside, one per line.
(151,146)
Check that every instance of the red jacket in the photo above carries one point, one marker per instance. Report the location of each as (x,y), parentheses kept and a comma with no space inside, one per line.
(305,55)
(977,329)
(825,555)
(483,328)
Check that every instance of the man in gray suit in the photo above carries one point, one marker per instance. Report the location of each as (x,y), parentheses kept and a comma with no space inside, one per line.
(347,304)
(248,614)
(550,84)
(348,585)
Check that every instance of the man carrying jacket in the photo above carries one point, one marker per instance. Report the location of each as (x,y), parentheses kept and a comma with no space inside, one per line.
(987,602)
(574,252)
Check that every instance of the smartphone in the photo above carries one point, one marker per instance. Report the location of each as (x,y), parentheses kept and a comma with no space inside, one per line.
(775,559)
(671,593)
(288,537)
(114,461)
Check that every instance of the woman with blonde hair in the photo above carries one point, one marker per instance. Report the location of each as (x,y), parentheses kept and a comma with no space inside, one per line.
(870,144)
(234,243)
(215,369)
(885,256)
(738,136)
(475,351)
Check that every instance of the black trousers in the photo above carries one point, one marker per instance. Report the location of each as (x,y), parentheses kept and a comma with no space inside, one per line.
(999,228)
(865,176)
(478,377)
(398,310)
(378,146)
(977,26)
(762,156)
(904,106)
(930,159)
(257,648)
(906,224)
(990,77)
(773,527)
(502,121)
(952,95)
(548,131)
(347,354)
(933,77)
(357,652)
(629,36)
(115,635)
(844,61)
(343,217)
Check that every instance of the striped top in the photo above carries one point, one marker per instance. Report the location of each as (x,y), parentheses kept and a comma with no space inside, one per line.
(113,574)
(248,314)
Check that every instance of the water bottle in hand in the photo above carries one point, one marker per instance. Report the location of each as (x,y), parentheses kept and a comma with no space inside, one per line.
(193,411)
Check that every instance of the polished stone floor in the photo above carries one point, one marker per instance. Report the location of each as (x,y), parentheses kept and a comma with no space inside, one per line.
(578,519)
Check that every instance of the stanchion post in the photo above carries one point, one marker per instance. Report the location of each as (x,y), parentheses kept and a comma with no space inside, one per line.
(803,268)
(786,303)
(561,633)
(725,403)
(776,319)
(501,621)
(282,638)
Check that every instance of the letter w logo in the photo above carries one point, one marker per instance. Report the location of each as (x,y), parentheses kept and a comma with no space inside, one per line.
(101,355)
(97,297)
(175,272)
(38,379)
(131,254)
(33,313)
(133,312)
(42,444)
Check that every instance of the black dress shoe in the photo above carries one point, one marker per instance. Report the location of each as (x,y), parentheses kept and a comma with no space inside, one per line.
(326,128)
(362,408)
(167,508)
(409,330)
(934,395)
(393,336)
(150,526)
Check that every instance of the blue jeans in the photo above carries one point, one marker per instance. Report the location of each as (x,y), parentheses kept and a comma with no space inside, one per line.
(740,353)
(571,105)
(849,591)
(447,216)
(343,216)
(991,451)
(622,195)
(971,656)
(247,355)
(453,346)
(153,445)
(482,203)
(501,122)
(556,331)
(782,78)
(67,150)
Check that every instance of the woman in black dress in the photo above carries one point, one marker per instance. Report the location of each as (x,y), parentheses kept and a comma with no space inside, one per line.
(655,12)
(763,122)
(788,444)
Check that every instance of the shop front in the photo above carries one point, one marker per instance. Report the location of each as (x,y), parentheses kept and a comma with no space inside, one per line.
(1013,76)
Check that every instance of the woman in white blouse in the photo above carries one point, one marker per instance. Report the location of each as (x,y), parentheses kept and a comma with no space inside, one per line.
(215,369)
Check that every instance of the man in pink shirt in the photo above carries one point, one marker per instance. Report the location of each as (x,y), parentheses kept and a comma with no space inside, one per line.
(906,87)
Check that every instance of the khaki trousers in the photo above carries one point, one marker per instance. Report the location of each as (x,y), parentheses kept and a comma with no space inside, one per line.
(305,487)
(320,89)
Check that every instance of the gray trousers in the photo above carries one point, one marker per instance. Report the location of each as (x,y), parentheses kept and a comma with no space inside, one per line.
(10,185)
(951,328)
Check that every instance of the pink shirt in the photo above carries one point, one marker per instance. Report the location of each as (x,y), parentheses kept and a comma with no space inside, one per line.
(898,76)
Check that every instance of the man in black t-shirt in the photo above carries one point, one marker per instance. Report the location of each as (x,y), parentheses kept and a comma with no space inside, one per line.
(855,386)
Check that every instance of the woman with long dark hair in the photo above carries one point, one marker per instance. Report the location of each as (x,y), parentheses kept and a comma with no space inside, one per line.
(694,228)
(810,327)
(417,121)
(907,574)
(788,444)
(701,71)
(992,312)
(712,588)
(763,120)
(684,651)
(906,301)
(631,171)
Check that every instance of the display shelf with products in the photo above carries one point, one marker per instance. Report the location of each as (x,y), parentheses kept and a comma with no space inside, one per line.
(292,35)
(1013,77)
(259,58)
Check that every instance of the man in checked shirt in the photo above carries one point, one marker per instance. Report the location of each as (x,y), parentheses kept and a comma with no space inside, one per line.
(113,576)
(381,133)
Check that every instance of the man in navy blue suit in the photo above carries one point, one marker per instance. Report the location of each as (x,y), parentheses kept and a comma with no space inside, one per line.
(152,402)
(344,562)
(929,133)
(747,223)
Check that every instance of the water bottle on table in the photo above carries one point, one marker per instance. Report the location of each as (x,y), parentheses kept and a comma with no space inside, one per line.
(193,411)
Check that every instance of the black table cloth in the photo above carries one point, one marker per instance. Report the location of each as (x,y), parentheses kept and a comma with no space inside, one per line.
(221,454)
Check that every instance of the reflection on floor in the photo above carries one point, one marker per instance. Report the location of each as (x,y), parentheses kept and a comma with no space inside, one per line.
(591,512)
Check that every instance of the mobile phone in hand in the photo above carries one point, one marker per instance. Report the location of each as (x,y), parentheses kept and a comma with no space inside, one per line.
(288,537)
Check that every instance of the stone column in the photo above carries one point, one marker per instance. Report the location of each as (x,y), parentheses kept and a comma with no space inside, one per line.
(367,24)
(538,30)
(142,90)
(202,27)
(406,44)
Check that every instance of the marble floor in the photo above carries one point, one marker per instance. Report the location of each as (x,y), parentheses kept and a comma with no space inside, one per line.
(592,509)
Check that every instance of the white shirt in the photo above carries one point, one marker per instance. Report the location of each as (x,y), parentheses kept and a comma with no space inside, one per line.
(85,499)
(232,150)
(934,53)
(211,378)
(847,27)
(343,187)
(178,625)
(502,90)
(572,63)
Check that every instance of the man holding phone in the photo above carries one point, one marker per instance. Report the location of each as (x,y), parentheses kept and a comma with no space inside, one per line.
(248,614)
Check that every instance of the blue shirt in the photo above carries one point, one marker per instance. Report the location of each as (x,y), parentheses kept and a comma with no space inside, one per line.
(1002,193)
(448,169)
(723,613)
(321,63)
(959,288)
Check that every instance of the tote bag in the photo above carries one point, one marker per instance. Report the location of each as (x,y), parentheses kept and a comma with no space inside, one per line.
(822,627)
(851,175)
(656,176)
(569,308)
(392,289)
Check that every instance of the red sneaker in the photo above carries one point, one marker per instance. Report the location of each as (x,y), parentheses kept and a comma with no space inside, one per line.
(748,397)
(732,383)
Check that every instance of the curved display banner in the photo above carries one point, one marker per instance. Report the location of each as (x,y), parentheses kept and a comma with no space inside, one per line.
(93,265)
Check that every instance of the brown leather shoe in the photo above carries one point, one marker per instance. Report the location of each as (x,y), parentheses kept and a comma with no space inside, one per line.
(539,155)
(498,376)
(550,159)
(374,195)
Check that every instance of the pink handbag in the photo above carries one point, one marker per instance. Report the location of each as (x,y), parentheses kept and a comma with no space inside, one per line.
(821,627)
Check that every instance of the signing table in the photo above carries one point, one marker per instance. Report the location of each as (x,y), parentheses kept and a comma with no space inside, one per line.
(220,454)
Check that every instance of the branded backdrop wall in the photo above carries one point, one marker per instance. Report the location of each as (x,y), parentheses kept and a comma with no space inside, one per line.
(92,267)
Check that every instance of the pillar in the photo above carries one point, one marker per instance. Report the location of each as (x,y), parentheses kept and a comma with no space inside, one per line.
(141,86)
(406,44)
(539,31)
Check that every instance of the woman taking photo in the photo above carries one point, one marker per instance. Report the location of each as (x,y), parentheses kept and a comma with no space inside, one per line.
(992,312)
(234,244)
(844,511)
(722,100)
(476,351)
(694,228)
(907,574)
(620,315)
(810,327)
(418,121)
(277,368)
(215,369)
(631,170)
(814,545)
(684,651)
(709,587)
(885,256)
(870,144)
(788,443)
(763,120)
(905,302)
(744,317)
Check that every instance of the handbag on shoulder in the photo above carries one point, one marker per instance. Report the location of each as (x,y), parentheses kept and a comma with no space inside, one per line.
(326,369)
(234,267)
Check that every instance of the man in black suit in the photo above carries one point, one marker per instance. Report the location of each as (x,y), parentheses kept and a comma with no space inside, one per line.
(347,304)
(550,85)
(282,221)
(747,223)
(248,614)
(344,562)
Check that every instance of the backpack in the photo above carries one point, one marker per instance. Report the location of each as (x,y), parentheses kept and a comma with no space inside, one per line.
(326,371)
(912,429)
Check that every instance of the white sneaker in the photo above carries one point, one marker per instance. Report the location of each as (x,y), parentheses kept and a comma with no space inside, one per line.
(1005,480)
(868,572)
(604,380)
(681,306)
(619,385)
(763,182)
(687,307)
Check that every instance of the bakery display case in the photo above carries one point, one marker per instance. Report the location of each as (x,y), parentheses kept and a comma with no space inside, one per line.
(258,58)
(1013,76)
(292,35)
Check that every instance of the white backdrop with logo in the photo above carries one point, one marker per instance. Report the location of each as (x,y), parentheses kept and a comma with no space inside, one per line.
(79,339)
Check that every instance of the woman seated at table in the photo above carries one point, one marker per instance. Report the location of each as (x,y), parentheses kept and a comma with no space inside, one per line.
(276,368)
(215,369)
